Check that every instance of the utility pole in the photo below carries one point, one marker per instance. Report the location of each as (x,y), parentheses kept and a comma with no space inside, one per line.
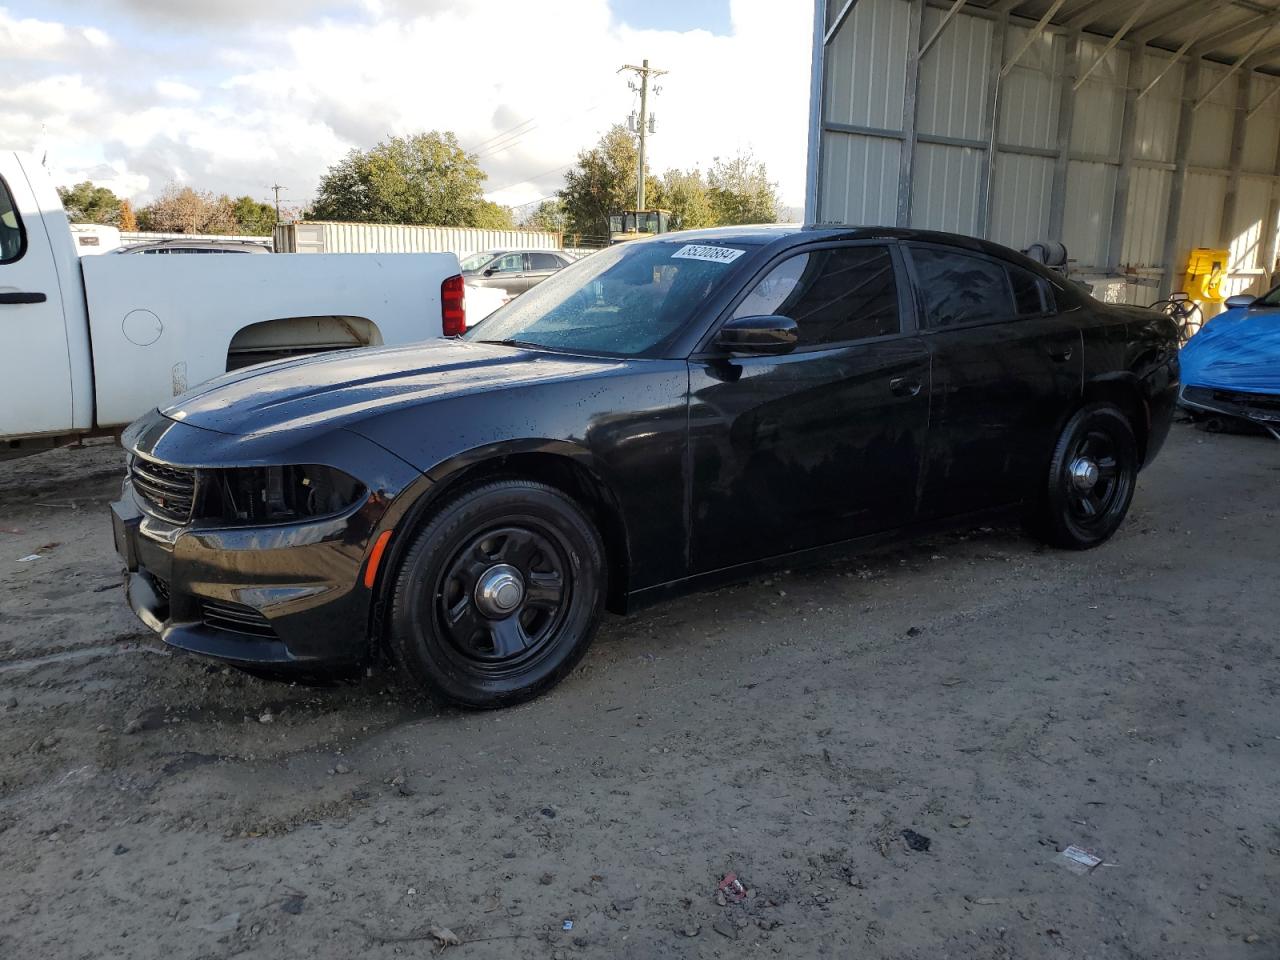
(646,124)
(276,188)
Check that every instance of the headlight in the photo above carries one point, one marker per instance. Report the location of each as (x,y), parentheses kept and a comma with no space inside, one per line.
(275,494)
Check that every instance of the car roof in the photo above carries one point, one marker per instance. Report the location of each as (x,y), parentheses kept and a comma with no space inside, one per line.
(787,234)
(500,250)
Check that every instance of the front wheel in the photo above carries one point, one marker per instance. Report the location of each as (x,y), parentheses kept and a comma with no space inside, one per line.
(498,595)
(1091,479)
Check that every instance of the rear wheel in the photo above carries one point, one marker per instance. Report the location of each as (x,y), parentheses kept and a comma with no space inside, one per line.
(499,594)
(1091,478)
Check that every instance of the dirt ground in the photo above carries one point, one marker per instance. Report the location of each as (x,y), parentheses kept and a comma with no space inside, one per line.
(998,698)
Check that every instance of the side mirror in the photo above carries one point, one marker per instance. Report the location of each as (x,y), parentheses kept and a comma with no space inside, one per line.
(489,271)
(1240,301)
(762,336)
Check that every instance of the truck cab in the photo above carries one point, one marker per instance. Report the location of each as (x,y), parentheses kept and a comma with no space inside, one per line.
(45,373)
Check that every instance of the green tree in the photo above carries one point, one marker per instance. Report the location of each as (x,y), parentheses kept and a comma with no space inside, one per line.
(686,195)
(253,217)
(603,182)
(549,215)
(741,191)
(86,203)
(493,216)
(426,178)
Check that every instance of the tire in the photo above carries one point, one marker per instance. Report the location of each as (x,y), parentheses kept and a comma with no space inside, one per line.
(485,648)
(1078,514)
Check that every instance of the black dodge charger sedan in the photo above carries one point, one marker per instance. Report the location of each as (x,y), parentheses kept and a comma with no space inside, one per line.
(663,415)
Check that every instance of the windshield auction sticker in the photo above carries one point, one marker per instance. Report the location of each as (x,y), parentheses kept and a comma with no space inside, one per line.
(694,251)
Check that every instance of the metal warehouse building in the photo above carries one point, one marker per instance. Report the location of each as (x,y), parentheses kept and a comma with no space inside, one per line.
(1131,131)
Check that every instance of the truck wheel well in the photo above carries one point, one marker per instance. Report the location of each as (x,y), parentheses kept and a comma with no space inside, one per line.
(572,479)
(1126,397)
(285,337)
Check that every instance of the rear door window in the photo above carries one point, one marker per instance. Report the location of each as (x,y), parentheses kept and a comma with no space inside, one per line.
(834,295)
(1031,296)
(13,240)
(958,288)
(544,261)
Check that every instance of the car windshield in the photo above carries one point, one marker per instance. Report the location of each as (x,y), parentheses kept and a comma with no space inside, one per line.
(623,301)
(1269,299)
(476,261)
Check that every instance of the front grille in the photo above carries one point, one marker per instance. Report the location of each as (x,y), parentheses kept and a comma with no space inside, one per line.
(161,587)
(236,618)
(1260,400)
(166,492)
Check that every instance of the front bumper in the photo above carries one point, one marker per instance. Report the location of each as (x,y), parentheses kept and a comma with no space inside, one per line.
(1261,409)
(287,596)
(280,597)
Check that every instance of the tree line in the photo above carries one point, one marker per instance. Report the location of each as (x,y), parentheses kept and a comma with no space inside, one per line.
(428,178)
(177,209)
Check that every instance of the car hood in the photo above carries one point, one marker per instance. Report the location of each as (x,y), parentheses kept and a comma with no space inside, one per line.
(1236,350)
(339,389)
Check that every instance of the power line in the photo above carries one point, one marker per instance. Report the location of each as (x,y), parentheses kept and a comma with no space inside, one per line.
(536,176)
(499,145)
(507,143)
(499,136)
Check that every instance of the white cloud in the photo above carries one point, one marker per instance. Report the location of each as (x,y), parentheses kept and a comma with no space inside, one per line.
(286,104)
(97,38)
(176,90)
(27,38)
(60,94)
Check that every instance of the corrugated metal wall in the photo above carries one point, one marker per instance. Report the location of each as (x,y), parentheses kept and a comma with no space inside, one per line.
(330,237)
(866,128)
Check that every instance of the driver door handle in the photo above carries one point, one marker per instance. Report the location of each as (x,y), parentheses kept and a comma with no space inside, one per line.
(904,387)
(22,297)
(1060,354)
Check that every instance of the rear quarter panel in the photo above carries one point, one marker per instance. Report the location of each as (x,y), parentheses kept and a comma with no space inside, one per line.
(1134,349)
(194,305)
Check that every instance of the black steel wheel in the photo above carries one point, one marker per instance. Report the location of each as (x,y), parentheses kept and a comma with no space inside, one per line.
(498,595)
(1091,479)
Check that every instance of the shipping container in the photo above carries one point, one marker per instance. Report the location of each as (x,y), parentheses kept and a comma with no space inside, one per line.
(325,236)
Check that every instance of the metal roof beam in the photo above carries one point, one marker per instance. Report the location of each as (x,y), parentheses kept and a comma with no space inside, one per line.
(1240,62)
(1232,34)
(1113,42)
(955,8)
(1079,19)
(1262,56)
(1263,102)
(1032,36)
(1184,15)
(1173,62)
(838,22)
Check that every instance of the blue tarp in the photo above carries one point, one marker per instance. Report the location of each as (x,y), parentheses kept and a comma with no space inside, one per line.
(1236,350)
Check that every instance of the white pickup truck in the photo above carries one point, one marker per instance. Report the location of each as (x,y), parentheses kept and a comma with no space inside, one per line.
(92,343)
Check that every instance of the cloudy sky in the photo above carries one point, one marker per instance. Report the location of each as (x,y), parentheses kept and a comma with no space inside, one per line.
(234,95)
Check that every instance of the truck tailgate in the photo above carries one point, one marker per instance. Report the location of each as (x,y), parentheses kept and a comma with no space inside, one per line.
(162,324)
